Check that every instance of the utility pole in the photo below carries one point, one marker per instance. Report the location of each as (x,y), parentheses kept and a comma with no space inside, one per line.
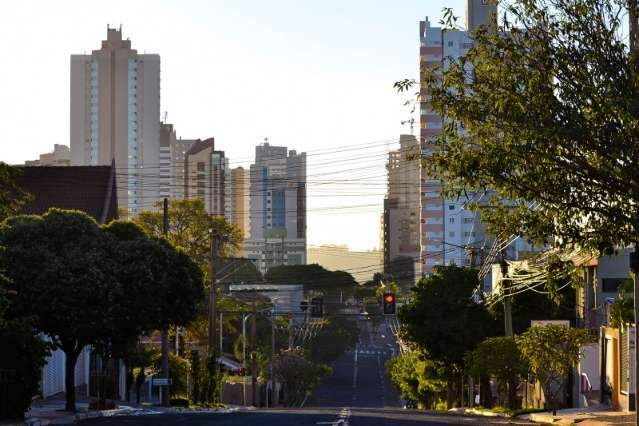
(253,354)
(212,294)
(633,36)
(508,316)
(165,330)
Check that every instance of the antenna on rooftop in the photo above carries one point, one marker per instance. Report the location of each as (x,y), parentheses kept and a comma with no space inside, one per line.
(410,122)
(166,113)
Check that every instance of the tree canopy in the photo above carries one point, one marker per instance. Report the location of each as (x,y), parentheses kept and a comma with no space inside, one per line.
(543,113)
(11,196)
(84,284)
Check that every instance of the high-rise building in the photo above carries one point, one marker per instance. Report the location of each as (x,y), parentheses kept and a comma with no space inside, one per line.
(238,200)
(204,175)
(401,220)
(178,166)
(60,156)
(446,226)
(277,208)
(167,142)
(115,116)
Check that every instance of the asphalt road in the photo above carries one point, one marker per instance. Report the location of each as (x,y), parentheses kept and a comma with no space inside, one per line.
(358,378)
(358,394)
(304,417)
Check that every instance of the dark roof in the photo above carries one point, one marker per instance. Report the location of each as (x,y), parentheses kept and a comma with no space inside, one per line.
(90,189)
(201,145)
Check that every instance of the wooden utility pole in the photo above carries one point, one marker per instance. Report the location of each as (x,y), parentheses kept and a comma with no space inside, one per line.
(508,316)
(165,330)
(254,354)
(633,42)
(212,295)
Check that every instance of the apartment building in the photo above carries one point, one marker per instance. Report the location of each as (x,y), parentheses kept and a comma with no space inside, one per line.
(277,208)
(115,116)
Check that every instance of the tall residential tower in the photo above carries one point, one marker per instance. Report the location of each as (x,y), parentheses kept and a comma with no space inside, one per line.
(115,116)
(446,226)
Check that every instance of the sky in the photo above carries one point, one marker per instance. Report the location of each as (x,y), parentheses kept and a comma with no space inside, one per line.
(315,76)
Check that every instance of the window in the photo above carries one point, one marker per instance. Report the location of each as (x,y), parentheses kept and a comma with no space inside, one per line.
(451,234)
(451,220)
(451,44)
(451,207)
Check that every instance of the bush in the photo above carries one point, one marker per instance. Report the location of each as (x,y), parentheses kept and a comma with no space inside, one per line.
(179,402)
(21,359)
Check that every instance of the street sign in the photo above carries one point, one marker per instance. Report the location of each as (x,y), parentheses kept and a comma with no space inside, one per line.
(541,323)
(160,381)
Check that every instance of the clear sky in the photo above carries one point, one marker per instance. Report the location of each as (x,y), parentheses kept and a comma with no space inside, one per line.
(313,75)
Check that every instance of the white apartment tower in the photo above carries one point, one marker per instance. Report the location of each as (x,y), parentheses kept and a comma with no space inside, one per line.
(115,116)
(446,226)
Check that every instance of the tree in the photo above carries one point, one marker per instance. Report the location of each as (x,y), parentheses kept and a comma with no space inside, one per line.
(417,377)
(551,352)
(297,374)
(443,319)
(499,357)
(55,264)
(22,358)
(11,196)
(543,113)
(190,227)
(338,335)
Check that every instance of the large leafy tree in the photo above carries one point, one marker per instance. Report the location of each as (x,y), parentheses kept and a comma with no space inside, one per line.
(55,263)
(190,227)
(551,352)
(417,377)
(444,320)
(544,111)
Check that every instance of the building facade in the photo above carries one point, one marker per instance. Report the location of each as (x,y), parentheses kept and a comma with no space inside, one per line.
(167,142)
(401,220)
(115,115)
(277,208)
(238,201)
(446,225)
(204,174)
(178,166)
(61,156)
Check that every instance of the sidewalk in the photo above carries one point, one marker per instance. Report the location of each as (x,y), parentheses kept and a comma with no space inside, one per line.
(597,415)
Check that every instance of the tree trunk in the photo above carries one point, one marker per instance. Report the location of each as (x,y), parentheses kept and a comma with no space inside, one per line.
(512,394)
(485,392)
(69,379)
(449,394)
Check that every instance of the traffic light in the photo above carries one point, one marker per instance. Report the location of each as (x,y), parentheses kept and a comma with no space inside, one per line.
(388,301)
(317,307)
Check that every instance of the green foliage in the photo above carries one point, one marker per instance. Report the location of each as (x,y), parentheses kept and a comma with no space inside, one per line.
(298,375)
(622,310)
(442,317)
(311,276)
(21,359)
(417,377)
(189,228)
(179,369)
(338,335)
(499,358)
(551,352)
(543,111)
(63,268)
(12,198)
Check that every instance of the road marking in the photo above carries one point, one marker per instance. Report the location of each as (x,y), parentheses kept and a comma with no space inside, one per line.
(342,420)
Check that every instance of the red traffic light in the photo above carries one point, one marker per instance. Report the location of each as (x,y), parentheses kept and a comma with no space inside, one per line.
(389,298)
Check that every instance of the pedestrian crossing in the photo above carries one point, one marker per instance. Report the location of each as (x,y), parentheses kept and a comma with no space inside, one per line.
(374,352)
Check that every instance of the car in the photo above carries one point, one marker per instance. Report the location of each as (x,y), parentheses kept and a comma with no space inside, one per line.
(410,404)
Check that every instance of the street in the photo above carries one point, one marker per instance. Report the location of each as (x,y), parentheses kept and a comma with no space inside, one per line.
(357,394)
(358,378)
